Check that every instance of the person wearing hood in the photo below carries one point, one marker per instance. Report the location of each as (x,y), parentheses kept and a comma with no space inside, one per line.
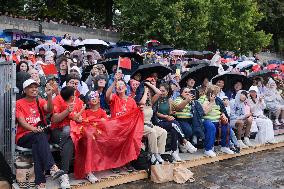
(274,101)
(265,126)
(241,121)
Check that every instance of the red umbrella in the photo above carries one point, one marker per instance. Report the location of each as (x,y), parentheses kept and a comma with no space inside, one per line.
(272,66)
(281,67)
(256,68)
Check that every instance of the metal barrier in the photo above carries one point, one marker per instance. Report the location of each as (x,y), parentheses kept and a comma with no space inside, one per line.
(7,110)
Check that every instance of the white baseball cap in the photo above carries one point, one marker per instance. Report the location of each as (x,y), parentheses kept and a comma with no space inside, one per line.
(253,88)
(29,82)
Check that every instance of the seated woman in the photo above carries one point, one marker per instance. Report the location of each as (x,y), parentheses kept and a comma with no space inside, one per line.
(211,123)
(265,127)
(156,135)
(240,120)
(29,135)
(189,120)
(274,101)
(94,111)
(163,110)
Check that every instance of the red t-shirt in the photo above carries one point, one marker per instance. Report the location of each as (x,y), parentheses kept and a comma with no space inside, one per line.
(98,114)
(29,111)
(119,107)
(59,105)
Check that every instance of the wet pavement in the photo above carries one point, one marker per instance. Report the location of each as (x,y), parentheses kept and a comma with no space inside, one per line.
(263,170)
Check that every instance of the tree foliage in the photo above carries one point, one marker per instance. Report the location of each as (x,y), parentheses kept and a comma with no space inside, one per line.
(233,26)
(194,24)
(182,23)
(273,19)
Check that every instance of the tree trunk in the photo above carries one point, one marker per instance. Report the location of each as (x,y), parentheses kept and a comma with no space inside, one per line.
(109,13)
(276,42)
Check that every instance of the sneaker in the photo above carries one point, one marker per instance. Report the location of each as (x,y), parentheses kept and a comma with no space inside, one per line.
(247,142)
(55,172)
(282,121)
(241,144)
(41,186)
(64,182)
(190,148)
(159,158)
(226,150)
(183,148)
(272,141)
(154,160)
(175,155)
(115,170)
(210,153)
(92,178)
(129,168)
(277,122)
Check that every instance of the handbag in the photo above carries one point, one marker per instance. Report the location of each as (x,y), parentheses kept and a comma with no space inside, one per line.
(41,124)
(25,175)
(182,175)
(162,173)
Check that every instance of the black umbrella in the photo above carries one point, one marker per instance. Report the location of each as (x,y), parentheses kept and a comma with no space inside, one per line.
(230,79)
(26,44)
(36,34)
(199,73)
(13,31)
(115,52)
(148,69)
(164,48)
(192,64)
(110,63)
(194,54)
(262,73)
(123,43)
(70,48)
(208,54)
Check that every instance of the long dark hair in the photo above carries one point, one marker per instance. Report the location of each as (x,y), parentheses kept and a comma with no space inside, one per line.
(19,65)
(168,88)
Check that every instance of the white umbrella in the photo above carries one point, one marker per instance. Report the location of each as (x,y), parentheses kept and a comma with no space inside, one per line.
(94,42)
(177,52)
(49,46)
(245,64)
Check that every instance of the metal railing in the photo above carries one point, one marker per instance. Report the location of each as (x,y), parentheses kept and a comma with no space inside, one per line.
(7,110)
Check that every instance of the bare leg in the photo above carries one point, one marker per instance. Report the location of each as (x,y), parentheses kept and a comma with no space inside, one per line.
(239,125)
(248,126)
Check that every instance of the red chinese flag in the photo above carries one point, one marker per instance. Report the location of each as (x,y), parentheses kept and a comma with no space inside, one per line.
(125,63)
(101,145)
(49,69)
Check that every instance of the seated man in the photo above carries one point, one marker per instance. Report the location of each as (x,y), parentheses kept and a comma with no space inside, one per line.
(66,108)
(30,112)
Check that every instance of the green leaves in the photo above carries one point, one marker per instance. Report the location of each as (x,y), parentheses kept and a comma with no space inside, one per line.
(194,24)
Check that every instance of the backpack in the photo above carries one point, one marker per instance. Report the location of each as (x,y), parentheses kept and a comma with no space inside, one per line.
(143,161)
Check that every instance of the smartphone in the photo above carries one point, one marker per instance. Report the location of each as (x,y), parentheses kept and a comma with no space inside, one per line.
(193,92)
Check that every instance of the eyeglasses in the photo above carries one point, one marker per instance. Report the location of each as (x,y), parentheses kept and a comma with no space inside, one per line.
(186,91)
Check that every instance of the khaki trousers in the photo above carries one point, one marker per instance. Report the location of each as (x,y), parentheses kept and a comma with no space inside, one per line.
(157,137)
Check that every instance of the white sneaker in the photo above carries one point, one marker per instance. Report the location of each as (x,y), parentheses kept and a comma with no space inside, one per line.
(282,121)
(175,155)
(241,144)
(247,142)
(64,182)
(272,141)
(277,122)
(190,148)
(154,160)
(92,178)
(227,150)
(182,148)
(210,153)
(159,158)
